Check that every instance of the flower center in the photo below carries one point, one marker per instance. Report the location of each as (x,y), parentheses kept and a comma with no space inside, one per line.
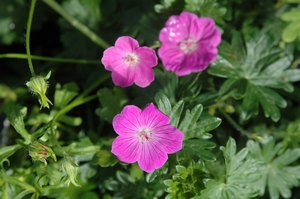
(131,59)
(188,46)
(145,135)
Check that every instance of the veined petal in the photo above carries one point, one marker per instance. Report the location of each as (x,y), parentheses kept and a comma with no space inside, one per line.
(151,117)
(127,149)
(147,57)
(171,56)
(143,76)
(169,137)
(152,157)
(123,75)
(127,122)
(126,44)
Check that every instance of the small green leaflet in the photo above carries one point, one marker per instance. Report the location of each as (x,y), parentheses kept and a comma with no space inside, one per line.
(251,74)
(292,31)
(240,178)
(112,102)
(277,175)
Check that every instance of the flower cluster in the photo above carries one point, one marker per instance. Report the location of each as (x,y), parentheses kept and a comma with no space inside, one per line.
(188,44)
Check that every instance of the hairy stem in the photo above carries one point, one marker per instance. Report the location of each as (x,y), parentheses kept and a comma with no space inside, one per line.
(77,24)
(29,22)
(234,124)
(35,57)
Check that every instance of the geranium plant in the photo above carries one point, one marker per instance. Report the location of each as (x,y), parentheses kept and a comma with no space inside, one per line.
(175,99)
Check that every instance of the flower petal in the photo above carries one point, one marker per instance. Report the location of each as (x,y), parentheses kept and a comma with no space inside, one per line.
(152,157)
(127,122)
(127,149)
(123,75)
(126,44)
(169,137)
(143,76)
(147,56)
(171,56)
(151,117)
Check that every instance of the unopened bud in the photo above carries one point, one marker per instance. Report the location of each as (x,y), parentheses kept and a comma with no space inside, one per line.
(38,85)
(70,170)
(40,152)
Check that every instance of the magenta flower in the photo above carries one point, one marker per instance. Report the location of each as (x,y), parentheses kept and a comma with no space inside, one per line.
(145,136)
(189,43)
(130,63)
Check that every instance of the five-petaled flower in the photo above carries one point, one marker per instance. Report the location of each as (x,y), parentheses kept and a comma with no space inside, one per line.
(145,136)
(189,43)
(130,63)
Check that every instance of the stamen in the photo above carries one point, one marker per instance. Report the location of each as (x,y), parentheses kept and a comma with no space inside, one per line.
(131,59)
(145,135)
(188,46)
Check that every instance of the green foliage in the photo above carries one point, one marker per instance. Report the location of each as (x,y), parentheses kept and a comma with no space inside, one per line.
(112,102)
(252,72)
(239,181)
(64,151)
(186,182)
(208,8)
(291,31)
(276,174)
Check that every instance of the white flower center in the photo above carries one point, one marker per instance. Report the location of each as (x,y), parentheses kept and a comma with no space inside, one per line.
(131,59)
(188,46)
(145,135)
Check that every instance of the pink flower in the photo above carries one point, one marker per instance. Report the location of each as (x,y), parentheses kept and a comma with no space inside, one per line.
(130,63)
(145,136)
(189,43)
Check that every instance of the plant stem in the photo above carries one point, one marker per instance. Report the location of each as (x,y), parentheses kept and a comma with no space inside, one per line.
(15,181)
(93,86)
(77,24)
(155,45)
(35,57)
(29,22)
(234,124)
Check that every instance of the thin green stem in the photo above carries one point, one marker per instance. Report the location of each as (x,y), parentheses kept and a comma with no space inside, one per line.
(35,57)
(93,86)
(77,24)
(234,124)
(29,22)
(156,45)
(69,107)
(62,112)
(15,181)
(81,99)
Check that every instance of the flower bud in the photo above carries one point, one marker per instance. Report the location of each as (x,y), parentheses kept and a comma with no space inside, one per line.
(38,85)
(70,170)
(40,152)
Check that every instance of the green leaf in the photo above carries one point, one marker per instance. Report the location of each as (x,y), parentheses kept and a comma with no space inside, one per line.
(83,150)
(15,115)
(192,127)
(292,30)
(112,102)
(105,158)
(6,152)
(276,174)
(252,73)
(163,104)
(207,8)
(64,95)
(240,178)
(197,148)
